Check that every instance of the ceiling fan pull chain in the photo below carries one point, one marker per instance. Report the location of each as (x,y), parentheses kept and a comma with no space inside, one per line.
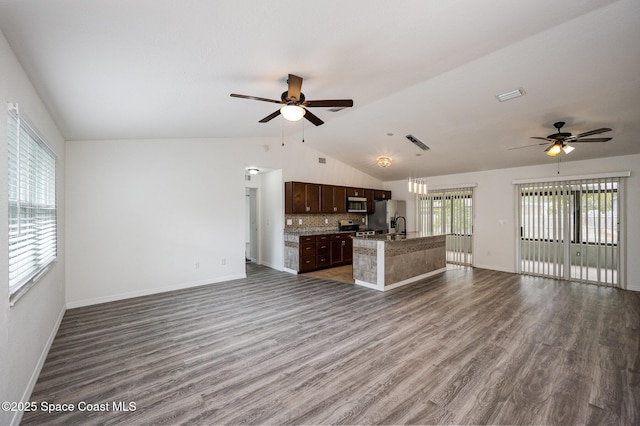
(302,131)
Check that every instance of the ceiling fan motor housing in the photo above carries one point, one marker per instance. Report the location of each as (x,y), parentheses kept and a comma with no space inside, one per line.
(285,98)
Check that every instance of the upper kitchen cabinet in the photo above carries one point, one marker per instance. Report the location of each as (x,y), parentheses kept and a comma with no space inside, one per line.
(379,194)
(300,197)
(371,205)
(355,192)
(334,199)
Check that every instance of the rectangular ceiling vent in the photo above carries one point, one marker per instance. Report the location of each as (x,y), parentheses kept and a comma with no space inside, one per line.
(417,142)
(322,160)
(510,95)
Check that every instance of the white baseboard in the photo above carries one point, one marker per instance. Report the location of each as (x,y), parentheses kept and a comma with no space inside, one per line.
(493,268)
(380,287)
(26,396)
(147,292)
(269,265)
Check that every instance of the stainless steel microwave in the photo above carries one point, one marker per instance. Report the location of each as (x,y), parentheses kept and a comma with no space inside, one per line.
(356,205)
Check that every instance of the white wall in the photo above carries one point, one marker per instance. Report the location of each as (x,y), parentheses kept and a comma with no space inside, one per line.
(27,329)
(153,215)
(494,207)
(146,216)
(271,220)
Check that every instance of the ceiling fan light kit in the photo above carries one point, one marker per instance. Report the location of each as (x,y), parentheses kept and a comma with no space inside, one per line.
(292,112)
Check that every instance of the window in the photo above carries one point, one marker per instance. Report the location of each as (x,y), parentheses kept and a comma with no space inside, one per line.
(32,205)
(449,212)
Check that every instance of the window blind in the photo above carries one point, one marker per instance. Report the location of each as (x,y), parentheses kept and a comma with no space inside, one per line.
(450,212)
(570,230)
(32,204)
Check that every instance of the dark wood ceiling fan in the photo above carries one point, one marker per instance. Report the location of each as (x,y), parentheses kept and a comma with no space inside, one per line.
(560,141)
(295,99)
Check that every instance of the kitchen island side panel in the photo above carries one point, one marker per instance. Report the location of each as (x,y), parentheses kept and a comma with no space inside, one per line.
(411,258)
(365,260)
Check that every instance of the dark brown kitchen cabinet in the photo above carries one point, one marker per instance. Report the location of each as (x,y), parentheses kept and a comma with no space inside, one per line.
(324,251)
(307,253)
(301,197)
(369,195)
(334,199)
(379,194)
(355,192)
(341,249)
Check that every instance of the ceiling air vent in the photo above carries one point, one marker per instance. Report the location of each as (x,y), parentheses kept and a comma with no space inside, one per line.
(417,142)
(322,160)
(510,95)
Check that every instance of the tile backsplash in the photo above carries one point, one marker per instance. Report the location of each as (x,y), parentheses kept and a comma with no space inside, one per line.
(327,220)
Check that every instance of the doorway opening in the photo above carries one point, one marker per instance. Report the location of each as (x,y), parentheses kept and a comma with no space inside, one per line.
(251,231)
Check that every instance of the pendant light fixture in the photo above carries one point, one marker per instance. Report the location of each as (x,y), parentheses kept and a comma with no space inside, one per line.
(417,186)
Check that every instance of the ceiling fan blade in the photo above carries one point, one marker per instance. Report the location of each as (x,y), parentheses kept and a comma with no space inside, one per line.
(592,140)
(593,132)
(295,86)
(313,118)
(527,146)
(270,116)
(255,98)
(538,137)
(344,103)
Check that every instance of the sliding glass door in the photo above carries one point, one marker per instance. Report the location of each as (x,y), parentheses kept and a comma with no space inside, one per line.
(449,212)
(570,230)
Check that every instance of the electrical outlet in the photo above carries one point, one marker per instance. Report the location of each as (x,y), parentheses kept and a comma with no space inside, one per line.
(223,261)
(363,220)
(326,221)
(299,221)
(197,265)
(289,222)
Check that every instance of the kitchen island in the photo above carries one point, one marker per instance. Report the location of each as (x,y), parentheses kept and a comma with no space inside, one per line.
(387,261)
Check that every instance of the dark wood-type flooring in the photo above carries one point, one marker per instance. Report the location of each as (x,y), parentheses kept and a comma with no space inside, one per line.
(465,346)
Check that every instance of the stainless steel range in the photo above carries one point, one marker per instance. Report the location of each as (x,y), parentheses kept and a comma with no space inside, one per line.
(347,226)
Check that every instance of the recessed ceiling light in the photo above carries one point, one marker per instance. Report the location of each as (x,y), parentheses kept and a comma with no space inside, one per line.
(510,95)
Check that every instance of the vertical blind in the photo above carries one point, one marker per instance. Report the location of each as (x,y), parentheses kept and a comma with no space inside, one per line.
(32,203)
(570,230)
(449,211)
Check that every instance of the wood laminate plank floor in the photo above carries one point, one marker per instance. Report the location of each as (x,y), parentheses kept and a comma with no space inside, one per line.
(466,346)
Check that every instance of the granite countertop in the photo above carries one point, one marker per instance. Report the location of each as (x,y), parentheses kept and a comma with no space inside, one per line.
(315,231)
(397,237)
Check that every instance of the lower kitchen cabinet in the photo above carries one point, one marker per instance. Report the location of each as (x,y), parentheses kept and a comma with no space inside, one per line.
(324,251)
(341,249)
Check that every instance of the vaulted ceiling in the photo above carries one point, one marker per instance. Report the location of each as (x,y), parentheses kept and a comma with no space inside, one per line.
(121,69)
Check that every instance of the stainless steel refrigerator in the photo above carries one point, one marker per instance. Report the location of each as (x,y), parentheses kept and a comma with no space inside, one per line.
(386,214)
